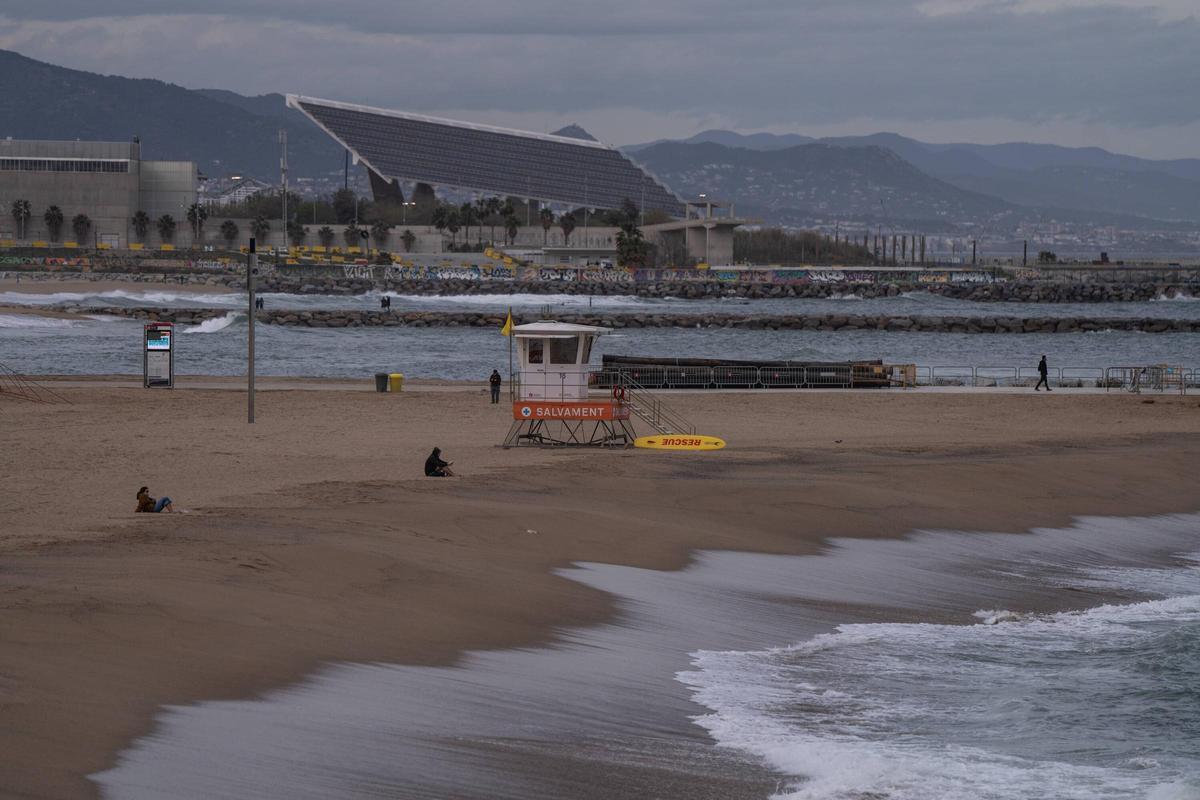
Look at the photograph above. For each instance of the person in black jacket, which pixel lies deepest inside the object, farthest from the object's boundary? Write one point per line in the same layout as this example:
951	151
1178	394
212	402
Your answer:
494	381
1043	370
435	467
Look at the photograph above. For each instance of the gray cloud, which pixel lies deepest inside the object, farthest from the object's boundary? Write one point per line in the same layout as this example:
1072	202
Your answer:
660	68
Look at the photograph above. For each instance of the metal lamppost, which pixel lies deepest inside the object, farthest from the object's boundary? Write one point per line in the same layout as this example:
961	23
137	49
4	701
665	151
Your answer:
404	210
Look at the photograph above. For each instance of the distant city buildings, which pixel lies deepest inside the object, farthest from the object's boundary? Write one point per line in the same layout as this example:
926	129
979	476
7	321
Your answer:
105	182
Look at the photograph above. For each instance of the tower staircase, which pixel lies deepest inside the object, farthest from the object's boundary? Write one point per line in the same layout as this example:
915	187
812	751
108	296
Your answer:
647	407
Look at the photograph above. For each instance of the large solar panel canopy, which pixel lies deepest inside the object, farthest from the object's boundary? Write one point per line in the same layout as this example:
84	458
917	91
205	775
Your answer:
397	145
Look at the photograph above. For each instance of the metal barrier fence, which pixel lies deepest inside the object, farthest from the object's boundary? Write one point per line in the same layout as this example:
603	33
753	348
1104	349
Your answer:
1148	378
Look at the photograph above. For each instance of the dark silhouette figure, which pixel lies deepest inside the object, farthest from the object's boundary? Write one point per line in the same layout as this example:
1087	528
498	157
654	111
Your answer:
1044	371
385	303
260	303
435	467
494	381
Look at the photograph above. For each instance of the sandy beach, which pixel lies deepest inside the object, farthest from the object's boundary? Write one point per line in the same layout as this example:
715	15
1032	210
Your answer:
311	538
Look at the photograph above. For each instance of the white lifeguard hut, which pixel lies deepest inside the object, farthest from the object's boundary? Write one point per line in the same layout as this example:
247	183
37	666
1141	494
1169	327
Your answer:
552	398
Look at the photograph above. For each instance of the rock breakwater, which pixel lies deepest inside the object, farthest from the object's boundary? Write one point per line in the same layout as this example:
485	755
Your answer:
814	322
985	292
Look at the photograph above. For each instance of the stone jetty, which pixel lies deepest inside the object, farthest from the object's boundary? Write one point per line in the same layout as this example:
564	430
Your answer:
1003	291
813	322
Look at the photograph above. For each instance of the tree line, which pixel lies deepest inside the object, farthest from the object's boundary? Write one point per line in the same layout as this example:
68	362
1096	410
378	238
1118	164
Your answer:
778	246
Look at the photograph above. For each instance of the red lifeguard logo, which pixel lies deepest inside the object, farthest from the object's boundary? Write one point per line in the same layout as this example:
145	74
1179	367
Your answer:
570	411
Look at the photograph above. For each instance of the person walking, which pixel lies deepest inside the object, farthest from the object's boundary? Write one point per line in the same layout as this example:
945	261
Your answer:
1044	371
494	381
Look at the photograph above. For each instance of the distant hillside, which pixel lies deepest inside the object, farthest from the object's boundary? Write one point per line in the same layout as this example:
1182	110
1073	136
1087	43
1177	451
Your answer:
752	141
818	181
222	131
1083	180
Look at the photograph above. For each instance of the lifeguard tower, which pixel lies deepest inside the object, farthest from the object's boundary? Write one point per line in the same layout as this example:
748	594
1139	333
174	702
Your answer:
552	405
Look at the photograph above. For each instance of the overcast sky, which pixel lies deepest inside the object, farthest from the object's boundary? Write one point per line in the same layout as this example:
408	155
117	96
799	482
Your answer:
1120	74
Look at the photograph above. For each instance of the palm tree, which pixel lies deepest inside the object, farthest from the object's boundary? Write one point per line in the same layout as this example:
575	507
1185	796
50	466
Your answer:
379	232
260	227
492	206
409	238
567	223
325	235
141	224
82	225
547	219
229	232
166	228
296	233
196	215
467	215
453	223
351	235
54	222
21	212
511	226
439	218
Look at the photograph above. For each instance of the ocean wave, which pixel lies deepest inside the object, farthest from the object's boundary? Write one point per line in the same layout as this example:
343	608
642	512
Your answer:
215	324
501	301
34	321
1178	297
123	297
1044	705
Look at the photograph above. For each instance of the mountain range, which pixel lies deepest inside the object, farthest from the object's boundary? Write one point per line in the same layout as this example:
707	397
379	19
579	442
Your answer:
1083	179
779	177
223	132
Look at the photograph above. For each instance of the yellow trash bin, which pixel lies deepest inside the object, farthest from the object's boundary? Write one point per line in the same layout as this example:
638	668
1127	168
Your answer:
396	382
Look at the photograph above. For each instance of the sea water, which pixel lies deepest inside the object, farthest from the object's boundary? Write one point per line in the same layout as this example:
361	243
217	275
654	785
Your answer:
107	345
1101	702
973	697
1180	306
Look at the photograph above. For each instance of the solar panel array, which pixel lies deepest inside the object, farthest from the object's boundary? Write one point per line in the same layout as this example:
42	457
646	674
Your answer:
493	161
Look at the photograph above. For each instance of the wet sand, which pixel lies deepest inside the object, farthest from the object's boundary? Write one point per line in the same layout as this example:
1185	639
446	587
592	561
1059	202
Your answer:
311	538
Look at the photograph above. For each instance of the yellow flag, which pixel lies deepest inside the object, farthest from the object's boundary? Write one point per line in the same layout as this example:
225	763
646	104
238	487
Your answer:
506	329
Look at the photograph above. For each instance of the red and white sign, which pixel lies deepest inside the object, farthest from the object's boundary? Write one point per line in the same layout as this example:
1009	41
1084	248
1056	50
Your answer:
570	411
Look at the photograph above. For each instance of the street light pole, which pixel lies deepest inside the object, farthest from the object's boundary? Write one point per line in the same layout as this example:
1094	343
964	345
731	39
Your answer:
283	169
251	272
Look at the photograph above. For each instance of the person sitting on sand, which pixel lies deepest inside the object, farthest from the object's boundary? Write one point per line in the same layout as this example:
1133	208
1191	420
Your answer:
147	504
435	467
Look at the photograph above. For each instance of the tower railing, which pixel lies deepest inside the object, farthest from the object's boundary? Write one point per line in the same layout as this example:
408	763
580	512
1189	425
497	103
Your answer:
644	404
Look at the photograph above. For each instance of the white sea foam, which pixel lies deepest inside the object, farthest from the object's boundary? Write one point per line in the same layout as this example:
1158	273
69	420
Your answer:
121	297
215	324
1004	711
1178	297
33	321
500	301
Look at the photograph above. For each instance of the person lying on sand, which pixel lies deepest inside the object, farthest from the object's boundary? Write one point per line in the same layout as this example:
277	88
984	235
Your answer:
148	505
435	467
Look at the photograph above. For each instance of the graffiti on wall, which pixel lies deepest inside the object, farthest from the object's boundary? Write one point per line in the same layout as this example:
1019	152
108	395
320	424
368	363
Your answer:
357	272
46	261
970	277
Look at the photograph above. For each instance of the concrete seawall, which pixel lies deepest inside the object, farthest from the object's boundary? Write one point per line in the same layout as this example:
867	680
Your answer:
814	322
